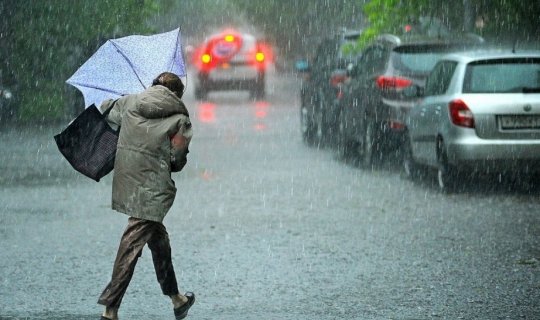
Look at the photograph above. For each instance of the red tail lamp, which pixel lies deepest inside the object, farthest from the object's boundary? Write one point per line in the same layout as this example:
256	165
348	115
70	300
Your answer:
460	114
393	82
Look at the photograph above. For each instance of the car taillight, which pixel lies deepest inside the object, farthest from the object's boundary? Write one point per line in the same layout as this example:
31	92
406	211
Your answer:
206	58
259	57
460	114
396	125
337	79
384	82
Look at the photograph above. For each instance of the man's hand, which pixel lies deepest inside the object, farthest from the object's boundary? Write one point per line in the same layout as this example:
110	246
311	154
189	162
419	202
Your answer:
179	151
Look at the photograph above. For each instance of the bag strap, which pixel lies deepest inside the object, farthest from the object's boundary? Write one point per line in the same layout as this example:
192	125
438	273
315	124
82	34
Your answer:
106	112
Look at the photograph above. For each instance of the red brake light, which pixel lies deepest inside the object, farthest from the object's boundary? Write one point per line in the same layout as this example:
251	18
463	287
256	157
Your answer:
393	82
337	79
396	125
206	58
259	56
460	114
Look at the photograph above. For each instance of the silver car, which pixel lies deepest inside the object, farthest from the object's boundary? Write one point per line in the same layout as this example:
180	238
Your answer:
480	112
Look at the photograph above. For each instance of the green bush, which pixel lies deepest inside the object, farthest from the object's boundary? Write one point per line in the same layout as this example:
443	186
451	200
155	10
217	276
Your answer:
46	103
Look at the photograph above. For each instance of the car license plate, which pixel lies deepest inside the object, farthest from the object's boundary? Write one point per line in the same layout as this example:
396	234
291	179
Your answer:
520	122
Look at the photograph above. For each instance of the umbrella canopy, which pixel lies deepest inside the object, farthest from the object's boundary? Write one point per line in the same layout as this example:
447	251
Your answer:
128	65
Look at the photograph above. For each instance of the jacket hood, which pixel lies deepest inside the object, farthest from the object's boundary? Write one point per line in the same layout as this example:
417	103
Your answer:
160	102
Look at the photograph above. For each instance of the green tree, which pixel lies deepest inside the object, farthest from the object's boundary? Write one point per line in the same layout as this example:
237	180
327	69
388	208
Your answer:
43	42
497	20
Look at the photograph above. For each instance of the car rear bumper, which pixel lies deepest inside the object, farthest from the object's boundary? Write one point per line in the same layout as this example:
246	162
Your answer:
239	72
496	154
233	79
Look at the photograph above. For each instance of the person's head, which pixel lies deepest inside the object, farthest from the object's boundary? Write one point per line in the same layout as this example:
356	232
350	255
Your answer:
171	81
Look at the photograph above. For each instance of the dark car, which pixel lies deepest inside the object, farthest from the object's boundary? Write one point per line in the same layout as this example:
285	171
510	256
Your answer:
323	76
232	61
374	106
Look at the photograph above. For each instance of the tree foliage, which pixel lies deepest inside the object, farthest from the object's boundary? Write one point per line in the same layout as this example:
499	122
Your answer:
497	20
43	42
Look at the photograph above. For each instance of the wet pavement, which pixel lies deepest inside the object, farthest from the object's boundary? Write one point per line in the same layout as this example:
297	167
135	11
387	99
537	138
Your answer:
264	227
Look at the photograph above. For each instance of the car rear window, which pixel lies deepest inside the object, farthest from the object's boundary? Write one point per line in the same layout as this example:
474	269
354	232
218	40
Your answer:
511	75
419	58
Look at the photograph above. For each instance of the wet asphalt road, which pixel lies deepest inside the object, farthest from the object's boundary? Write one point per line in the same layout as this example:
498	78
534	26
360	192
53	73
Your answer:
264	227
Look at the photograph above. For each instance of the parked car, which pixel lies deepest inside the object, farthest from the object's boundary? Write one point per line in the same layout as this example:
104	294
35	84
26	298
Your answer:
371	121
323	75
480	112
231	60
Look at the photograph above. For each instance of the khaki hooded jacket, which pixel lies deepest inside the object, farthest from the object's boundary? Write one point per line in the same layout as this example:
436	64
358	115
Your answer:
142	183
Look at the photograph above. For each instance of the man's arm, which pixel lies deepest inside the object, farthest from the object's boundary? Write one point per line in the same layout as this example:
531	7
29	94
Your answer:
115	115
180	145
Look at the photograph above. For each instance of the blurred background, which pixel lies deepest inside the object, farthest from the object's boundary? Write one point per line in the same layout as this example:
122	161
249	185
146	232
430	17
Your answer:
43	42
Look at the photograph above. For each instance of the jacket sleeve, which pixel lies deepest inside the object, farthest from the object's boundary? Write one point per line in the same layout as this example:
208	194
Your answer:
180	144
115	115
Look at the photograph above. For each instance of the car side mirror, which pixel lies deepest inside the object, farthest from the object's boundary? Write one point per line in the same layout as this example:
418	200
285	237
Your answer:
414	91
302	66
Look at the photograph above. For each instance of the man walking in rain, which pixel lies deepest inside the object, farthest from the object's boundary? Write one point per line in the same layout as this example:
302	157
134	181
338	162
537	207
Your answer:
154	138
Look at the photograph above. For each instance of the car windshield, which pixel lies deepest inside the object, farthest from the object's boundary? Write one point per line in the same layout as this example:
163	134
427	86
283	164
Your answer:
419	58
503	76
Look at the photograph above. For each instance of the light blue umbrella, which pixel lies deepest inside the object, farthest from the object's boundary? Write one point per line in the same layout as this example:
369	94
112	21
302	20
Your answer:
128	65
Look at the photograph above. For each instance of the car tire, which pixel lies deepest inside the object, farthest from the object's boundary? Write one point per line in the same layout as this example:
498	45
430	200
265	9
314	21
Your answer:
201	93
319	125
447	174
318	132
258	91
368	147
344	144
306	125
410	168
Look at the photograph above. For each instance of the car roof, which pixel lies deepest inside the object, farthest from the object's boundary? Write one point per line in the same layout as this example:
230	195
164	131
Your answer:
352	34
415	39
474	55
229	31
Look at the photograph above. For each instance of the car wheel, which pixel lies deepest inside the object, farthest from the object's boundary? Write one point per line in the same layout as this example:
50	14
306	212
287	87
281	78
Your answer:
344	145
258	91
368	146
447	174
411	169
201	93
319	122
306	125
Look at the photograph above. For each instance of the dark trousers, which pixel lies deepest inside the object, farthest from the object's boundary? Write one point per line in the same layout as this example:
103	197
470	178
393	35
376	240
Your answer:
137	234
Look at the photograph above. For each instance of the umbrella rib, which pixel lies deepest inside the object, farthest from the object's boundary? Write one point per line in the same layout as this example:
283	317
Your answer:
129	62
96	87
176	47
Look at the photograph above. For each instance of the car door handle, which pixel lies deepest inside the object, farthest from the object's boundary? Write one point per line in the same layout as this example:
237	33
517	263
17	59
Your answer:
423	112
438	110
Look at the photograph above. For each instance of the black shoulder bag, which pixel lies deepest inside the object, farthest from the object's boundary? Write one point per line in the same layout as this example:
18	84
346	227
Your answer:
89	143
